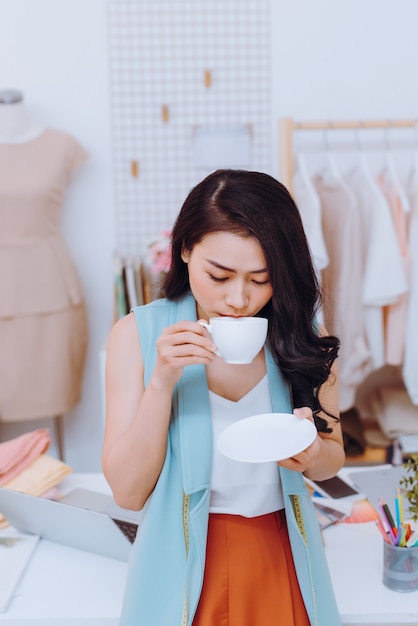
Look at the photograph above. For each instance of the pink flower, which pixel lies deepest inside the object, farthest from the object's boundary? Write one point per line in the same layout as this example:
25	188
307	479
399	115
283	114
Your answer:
160	253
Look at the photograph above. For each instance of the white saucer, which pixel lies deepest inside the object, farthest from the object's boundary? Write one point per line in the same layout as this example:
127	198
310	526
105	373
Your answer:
266	437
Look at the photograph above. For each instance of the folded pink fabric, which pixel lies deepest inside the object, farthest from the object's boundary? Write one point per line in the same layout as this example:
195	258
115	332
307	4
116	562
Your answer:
18	453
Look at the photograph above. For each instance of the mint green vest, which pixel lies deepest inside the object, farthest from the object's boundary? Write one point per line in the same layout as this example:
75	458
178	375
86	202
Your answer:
165	572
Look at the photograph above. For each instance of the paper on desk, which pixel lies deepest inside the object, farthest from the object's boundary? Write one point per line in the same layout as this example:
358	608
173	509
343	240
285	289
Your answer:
356	512
362	511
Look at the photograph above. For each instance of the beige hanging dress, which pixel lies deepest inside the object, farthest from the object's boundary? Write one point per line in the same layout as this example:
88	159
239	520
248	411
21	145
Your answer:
43	321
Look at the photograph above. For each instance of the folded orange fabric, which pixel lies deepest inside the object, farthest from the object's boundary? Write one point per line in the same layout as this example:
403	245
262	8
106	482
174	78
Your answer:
39	478
19	453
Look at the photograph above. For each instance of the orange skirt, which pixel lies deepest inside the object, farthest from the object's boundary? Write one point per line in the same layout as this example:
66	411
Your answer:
250	578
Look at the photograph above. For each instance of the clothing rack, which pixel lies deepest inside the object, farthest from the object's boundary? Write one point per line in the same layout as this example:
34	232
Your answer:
288	126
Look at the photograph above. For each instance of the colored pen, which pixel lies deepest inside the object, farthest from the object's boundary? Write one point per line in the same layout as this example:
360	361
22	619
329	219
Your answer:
401	516
386	515
402	535
408	530
384	534
413	540
389	516
386	526
397	512
398	537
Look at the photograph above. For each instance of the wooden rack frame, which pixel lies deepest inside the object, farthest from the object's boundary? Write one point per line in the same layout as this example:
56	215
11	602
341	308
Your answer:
287	126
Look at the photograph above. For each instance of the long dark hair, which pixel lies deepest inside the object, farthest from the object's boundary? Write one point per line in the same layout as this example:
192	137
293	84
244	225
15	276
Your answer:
257	205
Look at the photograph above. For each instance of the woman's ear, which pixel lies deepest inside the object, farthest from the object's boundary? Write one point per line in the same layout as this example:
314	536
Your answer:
185	255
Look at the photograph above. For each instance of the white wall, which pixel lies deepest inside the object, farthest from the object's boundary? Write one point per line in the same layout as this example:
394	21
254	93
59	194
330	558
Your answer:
330	60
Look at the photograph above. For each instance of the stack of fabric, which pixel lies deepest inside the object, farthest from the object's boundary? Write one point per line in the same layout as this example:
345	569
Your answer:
25	466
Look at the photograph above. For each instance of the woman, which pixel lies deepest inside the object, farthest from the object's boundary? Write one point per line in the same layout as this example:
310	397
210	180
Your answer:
220	539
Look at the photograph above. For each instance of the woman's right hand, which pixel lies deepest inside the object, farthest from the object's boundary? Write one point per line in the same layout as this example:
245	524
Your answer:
184	343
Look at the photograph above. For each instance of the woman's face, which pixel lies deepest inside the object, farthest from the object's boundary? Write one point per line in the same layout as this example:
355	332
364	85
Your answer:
228	276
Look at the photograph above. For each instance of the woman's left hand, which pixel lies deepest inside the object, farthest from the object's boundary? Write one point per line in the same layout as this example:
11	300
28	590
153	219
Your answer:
305	459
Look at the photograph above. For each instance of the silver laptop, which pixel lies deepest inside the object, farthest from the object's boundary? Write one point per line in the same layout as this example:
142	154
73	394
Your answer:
83	519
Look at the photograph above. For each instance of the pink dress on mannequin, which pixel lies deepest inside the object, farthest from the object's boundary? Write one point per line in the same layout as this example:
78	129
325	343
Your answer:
43	321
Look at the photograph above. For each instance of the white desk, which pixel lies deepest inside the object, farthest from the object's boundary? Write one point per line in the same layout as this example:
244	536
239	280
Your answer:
67	587
355	558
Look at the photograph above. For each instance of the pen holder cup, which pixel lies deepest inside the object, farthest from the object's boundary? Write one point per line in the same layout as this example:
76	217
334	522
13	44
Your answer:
400	567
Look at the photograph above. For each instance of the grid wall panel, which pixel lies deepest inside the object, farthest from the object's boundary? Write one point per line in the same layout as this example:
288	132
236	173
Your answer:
176	65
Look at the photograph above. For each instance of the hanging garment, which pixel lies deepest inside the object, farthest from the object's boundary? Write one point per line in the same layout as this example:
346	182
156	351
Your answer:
384	277
43	322
342	281
309	206
394	315
410	362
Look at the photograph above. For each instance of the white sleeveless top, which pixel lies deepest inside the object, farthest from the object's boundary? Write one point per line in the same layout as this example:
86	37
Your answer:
238	488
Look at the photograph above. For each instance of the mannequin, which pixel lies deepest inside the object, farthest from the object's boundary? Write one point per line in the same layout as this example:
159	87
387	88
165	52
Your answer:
43	316
16	125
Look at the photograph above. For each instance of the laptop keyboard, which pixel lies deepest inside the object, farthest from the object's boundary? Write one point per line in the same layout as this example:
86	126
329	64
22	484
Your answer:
129	529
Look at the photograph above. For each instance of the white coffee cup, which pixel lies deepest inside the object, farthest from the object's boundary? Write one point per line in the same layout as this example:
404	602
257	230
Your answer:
238	339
